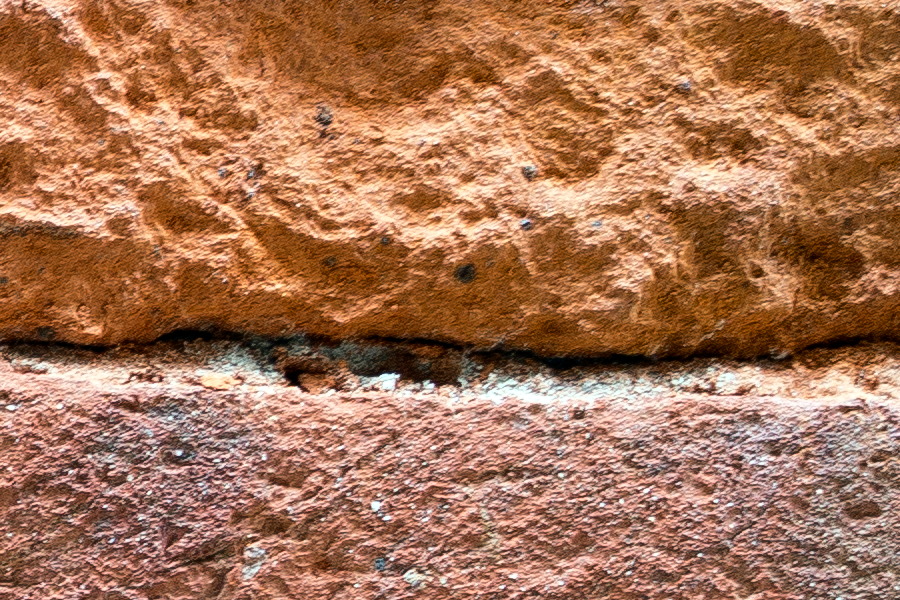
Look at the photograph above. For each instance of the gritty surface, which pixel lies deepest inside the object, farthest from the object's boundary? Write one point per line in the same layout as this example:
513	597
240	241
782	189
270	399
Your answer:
235	485
410	223
564	176
868	371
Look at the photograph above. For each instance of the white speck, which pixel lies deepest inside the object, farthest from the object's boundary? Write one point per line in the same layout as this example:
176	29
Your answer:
699	555
254	557
60	406
819	492
12	407
513	576
560	583
386	518
375	505
388	381
414	578
561	475
621	500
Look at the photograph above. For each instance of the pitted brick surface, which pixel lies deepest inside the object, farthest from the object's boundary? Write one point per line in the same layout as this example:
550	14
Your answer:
569	177
146	491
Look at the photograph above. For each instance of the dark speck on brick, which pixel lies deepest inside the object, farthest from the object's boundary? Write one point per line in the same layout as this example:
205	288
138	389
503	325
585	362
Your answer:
465	273
385	240
526	224
45	333
380	564
324	116
530	172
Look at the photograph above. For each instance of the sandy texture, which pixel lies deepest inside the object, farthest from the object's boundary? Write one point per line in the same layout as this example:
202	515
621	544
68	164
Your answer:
571	177
166	490
418	219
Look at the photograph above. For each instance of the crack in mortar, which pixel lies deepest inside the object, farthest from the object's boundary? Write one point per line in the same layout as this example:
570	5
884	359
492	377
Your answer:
409	368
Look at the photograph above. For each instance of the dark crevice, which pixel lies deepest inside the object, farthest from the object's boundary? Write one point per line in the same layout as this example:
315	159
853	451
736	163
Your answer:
199	335
848	341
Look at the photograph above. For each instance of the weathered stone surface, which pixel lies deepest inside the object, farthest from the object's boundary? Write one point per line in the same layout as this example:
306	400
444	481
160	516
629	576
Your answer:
158	489
582	177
